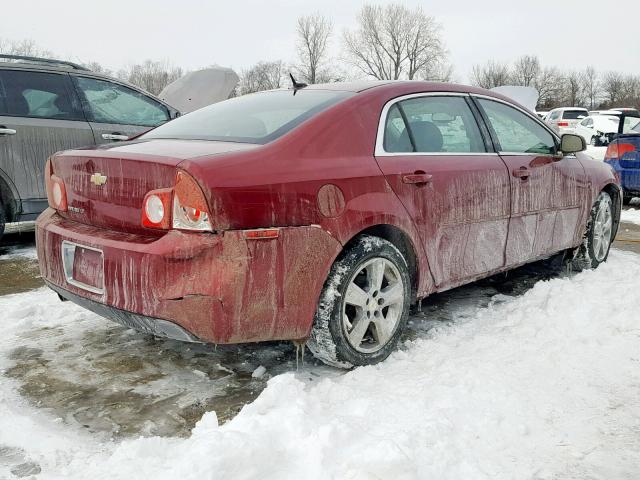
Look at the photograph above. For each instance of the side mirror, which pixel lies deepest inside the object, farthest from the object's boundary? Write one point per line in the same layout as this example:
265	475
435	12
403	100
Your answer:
570	143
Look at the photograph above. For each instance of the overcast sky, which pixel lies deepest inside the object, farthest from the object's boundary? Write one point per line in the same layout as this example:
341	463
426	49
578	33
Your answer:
236	33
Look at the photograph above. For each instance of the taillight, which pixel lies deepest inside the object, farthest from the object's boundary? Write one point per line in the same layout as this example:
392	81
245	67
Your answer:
182	207
56	191
563	124
190	210
617	150
156	209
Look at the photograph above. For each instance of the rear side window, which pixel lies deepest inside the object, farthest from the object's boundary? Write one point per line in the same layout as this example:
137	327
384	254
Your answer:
435	125
574	114
108	102
517	132
38	95
255	118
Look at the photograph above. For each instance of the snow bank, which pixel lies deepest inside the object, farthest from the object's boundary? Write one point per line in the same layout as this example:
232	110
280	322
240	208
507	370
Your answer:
630	215
542	386
597	153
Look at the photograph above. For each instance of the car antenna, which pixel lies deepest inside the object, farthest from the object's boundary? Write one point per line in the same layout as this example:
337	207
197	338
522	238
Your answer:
296	85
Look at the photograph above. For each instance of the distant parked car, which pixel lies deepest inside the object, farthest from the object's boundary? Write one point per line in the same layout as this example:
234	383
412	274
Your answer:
50	105
318	214
564	120
623	155
598	130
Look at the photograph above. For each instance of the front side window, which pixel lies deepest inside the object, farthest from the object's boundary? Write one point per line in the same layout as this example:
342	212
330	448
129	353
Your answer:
38	95
517	132
254	118
108	102
432	124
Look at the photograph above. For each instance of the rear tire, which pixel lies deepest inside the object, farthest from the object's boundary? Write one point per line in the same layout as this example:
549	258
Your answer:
598	235
3	221
364	305
594	142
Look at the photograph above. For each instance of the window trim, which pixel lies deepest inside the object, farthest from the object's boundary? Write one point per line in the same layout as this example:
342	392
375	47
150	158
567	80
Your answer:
379	150
71	92
531	115
86	108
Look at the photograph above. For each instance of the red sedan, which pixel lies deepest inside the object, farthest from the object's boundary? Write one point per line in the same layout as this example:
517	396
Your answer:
318	214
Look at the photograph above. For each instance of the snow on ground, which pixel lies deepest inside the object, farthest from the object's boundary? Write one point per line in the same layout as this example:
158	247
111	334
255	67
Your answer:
630	215
545	385
597	153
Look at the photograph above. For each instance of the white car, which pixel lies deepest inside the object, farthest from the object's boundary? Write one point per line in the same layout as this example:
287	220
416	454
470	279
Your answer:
564	119
598	130
542	113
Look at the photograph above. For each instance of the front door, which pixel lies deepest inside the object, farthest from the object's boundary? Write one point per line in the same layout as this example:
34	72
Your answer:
547	190
117	112
435	158
39	115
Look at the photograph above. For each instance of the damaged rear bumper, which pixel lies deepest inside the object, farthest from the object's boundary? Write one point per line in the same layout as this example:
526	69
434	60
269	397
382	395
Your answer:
142	323
220	288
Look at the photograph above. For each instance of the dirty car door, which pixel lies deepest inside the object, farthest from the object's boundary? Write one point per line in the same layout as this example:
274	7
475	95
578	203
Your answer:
117	112
547	190
433	155
40	115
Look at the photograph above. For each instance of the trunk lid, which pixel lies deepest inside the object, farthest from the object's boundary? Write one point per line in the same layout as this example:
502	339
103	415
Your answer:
106	185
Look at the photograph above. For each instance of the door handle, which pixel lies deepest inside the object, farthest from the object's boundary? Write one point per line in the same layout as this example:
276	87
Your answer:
521	173
115	136
7	131
417	178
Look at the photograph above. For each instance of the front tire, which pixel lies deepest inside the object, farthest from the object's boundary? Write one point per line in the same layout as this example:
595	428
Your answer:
364	306
598	235
595	142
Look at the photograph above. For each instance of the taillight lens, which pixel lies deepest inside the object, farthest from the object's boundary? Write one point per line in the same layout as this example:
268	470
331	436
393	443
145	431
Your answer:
563	124
156	209
56	191
615	151
190	210
182	207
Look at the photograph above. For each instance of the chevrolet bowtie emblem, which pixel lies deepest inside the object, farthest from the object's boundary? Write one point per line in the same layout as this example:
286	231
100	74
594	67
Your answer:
98	179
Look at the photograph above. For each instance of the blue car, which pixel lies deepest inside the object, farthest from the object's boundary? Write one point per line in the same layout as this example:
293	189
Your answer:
623	155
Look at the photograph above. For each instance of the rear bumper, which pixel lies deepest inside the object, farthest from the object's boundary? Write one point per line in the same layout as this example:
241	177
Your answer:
154	326
629	177
216	288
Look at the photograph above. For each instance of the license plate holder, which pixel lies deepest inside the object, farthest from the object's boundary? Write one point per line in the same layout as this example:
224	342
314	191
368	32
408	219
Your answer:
83	266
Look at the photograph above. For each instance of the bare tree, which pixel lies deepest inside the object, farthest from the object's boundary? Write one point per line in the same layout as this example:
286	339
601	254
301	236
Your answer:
550	85
590	86
394	42
150	75
573	89
525	70
261	76
26	47
613	87
97	68
491	74
313	42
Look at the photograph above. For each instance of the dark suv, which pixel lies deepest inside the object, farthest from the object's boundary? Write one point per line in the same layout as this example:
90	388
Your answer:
50	105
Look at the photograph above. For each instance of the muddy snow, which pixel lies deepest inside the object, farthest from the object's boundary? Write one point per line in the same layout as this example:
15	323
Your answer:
525	377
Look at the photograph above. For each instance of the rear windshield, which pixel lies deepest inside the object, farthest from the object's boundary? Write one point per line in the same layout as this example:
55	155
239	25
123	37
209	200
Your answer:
574	114
256	118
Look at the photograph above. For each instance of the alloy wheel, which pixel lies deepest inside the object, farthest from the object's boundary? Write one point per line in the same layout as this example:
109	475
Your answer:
373	305
602	228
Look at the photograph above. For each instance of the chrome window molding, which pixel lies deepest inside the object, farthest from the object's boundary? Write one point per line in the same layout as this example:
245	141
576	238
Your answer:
379	147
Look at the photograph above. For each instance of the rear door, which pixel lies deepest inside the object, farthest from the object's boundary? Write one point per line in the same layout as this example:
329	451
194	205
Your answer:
117	112
547	190
39	115
431	150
